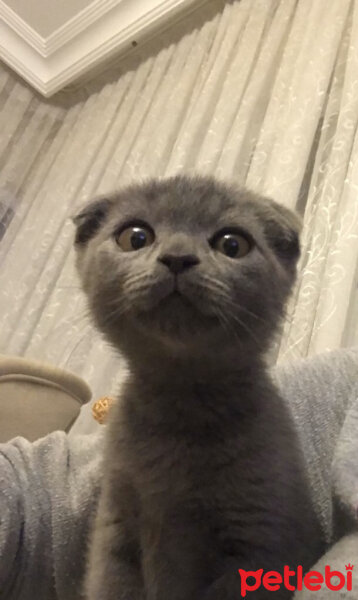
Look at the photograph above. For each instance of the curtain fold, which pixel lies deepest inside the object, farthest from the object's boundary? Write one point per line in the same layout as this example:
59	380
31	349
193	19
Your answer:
260	92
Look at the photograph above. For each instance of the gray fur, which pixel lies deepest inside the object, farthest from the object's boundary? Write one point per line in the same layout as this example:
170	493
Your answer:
202	466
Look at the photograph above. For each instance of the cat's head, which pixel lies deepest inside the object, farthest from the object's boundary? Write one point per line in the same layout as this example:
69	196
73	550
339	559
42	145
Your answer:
187	263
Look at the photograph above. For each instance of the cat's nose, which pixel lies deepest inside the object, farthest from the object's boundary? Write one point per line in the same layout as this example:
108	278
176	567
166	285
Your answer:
178	264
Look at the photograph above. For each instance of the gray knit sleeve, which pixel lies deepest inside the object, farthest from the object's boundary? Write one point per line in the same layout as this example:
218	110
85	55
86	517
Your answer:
48	493
320	391
345	463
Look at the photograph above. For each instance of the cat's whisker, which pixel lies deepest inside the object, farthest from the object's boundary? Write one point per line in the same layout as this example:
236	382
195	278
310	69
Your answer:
216	283
234	306
239	307
73	350
249	312
131	281
223	319
75	320
287	317
246	327
114	314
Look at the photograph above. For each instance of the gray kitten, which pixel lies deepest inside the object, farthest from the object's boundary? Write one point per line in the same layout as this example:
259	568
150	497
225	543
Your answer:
188	278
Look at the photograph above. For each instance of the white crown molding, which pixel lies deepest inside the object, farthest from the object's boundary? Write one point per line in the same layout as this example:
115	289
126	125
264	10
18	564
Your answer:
62	35
104	28
95	11
21	28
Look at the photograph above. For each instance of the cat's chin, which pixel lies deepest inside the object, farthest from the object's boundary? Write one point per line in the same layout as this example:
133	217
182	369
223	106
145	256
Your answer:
176	318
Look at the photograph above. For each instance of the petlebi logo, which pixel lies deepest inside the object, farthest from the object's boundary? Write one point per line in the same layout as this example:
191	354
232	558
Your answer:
312	580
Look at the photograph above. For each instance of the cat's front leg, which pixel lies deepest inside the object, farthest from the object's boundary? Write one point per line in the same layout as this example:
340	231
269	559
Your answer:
114	568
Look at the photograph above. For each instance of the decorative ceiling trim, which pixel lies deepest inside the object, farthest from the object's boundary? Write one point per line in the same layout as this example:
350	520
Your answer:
79	22
105	28
21	27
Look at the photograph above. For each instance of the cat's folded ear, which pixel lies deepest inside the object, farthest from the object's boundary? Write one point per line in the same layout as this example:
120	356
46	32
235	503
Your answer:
90	219
282	230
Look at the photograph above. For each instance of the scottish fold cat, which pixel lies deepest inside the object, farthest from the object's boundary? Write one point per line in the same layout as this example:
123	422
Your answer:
188	278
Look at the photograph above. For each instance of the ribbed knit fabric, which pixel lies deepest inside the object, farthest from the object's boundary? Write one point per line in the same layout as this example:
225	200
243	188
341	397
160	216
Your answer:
49	489
323	395
322	392
48	496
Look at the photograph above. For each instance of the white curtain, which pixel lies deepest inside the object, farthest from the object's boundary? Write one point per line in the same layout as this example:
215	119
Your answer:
262	92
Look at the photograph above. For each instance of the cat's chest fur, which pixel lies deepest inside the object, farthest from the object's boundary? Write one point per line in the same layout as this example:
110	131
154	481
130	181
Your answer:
207	474
199	445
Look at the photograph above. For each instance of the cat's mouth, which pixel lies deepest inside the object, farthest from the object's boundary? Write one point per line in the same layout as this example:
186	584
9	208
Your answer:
176	296
178	314
177	293
183	301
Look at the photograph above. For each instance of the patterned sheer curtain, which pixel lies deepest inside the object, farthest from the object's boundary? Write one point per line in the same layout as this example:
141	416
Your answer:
261	92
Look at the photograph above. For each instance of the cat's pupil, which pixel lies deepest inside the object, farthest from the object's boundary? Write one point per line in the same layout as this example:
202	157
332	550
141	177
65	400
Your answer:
138	239
231	246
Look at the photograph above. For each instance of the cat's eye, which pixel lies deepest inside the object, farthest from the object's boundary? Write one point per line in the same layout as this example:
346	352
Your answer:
232	244
135	237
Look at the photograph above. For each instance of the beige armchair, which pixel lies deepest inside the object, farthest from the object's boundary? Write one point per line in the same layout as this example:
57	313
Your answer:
36	398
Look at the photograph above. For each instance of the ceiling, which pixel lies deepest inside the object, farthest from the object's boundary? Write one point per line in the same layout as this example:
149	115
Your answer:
45	16
50	43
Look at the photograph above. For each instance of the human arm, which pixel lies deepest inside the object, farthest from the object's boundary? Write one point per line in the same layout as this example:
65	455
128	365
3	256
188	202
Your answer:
48	497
